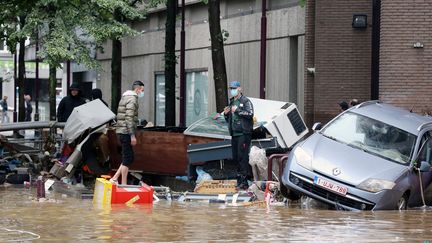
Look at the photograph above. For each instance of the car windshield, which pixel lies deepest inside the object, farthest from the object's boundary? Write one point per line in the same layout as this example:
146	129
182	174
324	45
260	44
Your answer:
372	136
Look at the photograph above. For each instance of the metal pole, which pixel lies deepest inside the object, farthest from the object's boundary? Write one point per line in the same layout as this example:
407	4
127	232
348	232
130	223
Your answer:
376	20
36	116
15	87
263	60
182	69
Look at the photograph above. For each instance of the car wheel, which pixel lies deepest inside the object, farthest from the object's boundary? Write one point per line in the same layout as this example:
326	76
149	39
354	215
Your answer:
289	193
402	204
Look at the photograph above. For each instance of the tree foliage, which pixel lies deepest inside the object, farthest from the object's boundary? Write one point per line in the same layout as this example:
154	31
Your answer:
12	21
67	29
72	29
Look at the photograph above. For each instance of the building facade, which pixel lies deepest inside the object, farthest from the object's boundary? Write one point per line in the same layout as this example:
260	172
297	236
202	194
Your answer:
387	59
143	56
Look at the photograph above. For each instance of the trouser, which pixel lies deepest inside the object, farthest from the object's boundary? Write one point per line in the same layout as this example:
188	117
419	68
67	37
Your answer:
5	117
240	149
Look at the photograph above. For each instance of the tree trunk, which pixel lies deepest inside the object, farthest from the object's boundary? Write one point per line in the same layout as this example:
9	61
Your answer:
52	91
218	55
21	81
170	63
116	69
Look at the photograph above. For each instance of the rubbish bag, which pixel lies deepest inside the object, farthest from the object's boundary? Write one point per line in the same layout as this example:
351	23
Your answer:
258	162
17	179
202	175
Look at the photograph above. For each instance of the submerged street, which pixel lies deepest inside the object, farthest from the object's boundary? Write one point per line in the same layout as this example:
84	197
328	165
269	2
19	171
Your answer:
73	220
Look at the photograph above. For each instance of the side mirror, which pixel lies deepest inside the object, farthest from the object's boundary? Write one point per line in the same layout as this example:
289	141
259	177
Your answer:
317	126
425	166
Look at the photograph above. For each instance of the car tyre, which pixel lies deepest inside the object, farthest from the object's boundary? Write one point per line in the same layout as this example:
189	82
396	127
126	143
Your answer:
289	193
402	204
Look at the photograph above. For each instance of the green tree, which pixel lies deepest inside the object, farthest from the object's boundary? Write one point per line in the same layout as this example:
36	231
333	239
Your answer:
12	21
71	29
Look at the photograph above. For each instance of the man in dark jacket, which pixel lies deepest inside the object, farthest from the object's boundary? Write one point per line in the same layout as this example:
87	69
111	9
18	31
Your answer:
68	103
239	115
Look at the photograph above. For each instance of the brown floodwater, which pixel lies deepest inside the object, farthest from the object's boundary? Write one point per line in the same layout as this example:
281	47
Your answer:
75	220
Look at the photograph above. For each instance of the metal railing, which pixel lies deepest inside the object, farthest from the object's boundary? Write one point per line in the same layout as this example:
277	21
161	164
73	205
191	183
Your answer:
44	132
281	162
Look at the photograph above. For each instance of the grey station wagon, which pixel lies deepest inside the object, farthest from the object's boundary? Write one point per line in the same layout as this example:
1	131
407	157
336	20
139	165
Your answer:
373	156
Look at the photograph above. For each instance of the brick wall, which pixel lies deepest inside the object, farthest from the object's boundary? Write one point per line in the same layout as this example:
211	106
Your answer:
342	56
406	72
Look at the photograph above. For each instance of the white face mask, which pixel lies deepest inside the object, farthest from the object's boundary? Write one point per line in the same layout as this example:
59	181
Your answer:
234	92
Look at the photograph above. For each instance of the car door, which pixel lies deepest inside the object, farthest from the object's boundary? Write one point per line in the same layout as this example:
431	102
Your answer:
425	157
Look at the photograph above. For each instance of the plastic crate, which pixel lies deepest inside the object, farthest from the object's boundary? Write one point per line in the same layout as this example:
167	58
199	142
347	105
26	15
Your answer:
107	193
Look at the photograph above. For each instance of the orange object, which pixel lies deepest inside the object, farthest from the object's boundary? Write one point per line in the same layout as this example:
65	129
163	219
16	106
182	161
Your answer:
123	194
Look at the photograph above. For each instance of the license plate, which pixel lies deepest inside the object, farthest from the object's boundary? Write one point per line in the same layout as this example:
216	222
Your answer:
330	186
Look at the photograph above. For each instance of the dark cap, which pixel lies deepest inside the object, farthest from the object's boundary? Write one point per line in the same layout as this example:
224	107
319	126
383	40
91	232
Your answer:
343	105
137	82
74	86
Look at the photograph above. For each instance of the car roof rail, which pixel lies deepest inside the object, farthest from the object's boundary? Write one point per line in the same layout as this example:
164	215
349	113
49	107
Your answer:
369	102
423	125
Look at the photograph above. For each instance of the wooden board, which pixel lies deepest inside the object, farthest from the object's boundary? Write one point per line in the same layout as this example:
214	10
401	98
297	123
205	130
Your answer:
157	152
216	187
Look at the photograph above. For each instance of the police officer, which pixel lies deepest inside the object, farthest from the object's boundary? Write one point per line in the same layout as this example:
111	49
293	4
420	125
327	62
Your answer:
239	115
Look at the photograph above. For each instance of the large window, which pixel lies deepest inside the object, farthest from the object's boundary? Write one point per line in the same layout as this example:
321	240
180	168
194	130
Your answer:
160	99
196	96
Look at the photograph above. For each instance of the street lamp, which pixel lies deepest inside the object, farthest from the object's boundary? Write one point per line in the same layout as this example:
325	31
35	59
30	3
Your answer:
359	21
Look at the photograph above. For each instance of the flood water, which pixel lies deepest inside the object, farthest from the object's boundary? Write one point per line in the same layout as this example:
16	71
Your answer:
73	220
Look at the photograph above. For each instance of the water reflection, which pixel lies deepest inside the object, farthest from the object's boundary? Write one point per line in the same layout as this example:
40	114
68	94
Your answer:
69	219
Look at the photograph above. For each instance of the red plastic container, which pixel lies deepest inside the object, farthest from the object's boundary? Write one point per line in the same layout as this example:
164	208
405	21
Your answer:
124	194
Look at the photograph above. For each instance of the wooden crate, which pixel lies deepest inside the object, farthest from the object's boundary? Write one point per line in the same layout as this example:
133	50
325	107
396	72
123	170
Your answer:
216	187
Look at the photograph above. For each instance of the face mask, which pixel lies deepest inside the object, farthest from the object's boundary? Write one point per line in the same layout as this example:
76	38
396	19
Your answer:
234	92
141	94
